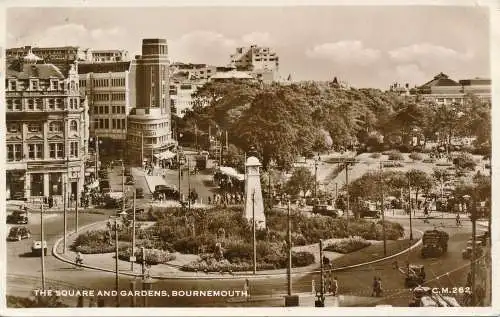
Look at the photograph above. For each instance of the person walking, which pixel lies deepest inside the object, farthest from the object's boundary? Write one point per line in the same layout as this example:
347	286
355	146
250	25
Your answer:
458	221
375	286
334	286
379	287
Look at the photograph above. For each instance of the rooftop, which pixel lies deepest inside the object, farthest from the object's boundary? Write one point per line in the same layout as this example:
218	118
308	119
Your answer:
40	71
440	79
111	67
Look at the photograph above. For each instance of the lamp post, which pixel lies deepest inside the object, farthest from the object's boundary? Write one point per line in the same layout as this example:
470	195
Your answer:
382	208
315	180
409	209
254	242
65	202
76	207
117	273
43	246
132	257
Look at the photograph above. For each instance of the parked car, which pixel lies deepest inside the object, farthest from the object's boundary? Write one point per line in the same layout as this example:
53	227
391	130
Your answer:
139	193
36	248
369	209
130	180
18	218
326	210
169	192
18	233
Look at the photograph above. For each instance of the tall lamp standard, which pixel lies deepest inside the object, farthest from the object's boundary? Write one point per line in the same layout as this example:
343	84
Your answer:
115	227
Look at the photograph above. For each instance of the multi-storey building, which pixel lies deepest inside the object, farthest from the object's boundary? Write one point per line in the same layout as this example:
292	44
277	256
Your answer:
149	123
443	90
108	88
47	129
261	62
102	56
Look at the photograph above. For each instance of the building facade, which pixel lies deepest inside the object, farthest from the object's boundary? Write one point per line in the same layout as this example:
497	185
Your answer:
261	62
105	56
47	130
442	90
107	86
149	124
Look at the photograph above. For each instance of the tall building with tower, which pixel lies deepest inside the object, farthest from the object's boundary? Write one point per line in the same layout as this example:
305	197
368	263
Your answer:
149	123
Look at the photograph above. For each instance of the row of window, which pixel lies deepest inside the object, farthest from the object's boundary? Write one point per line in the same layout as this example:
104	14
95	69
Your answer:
16	104
35	151
36	84
157	140
105	97
115	124
54	126
105	109
137	126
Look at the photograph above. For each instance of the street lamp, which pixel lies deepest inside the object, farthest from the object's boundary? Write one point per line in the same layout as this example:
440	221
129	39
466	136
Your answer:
115	227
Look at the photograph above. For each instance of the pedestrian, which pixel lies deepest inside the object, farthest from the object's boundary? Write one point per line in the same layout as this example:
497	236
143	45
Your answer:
375	286
458	221
379	287
209	200
334	286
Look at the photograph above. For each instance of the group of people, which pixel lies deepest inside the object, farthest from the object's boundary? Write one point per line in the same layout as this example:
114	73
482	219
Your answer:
226	199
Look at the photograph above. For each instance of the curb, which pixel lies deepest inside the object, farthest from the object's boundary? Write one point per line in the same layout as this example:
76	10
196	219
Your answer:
219	276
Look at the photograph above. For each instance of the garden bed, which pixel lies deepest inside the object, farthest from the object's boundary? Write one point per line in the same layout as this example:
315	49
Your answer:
348	245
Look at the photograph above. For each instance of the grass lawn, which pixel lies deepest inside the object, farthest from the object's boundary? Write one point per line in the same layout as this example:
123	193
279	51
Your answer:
372	252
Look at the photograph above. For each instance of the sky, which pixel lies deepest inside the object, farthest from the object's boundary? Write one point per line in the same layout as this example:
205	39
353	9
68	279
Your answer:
366	46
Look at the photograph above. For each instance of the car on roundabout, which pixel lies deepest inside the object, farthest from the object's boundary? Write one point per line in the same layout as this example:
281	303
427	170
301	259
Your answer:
18	217
18	233
326	210
37	248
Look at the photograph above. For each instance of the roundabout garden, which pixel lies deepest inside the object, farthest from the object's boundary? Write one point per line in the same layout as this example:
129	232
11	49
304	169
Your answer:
221	239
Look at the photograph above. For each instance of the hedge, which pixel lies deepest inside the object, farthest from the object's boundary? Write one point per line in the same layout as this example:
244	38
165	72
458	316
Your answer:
416	156
395	156
347	245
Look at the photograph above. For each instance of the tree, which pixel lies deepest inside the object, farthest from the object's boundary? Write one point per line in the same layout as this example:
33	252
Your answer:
440	175
301	180
419	181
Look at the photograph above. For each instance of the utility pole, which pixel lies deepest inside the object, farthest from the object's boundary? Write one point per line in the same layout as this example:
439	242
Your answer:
132	257
179	172
76	206
254	242
347	195
315	180
117	274
142	148
382	208
473	258
65	198
43	247
96	156
289	234
123	187
321	300
189	186
409	209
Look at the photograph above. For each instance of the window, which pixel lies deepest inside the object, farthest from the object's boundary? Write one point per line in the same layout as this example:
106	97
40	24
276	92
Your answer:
118	97
56	150
106	109
54	84
31	104
73	149
123	109
440	99
51	104
55	126
14	152
106	123
34	127
59	103
13	85
13	127
17	104
35	151
73	126
83	83
38	104
9	104
34	84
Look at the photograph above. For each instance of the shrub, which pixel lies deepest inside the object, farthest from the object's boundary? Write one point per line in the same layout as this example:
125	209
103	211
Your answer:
395	156
465	161
375	155
94	241
302	258
348	245
405	148
392	164
153	256
416	156
429	160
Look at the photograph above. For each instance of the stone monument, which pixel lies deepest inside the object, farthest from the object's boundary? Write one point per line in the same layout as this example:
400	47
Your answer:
254	202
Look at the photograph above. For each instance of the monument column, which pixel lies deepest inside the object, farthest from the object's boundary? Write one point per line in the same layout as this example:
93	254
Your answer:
254	201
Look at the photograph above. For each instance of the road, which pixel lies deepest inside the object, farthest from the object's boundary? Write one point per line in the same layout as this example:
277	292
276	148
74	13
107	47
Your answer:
353	282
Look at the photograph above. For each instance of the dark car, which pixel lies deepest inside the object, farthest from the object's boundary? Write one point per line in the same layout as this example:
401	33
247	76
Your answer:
139	193
168	192
18	218
104	186
130	180
18	233
325	210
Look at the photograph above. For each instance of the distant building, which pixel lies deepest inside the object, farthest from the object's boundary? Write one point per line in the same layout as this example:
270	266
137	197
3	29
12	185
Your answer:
261	62
149	123
443	90
233	75
47	129
104	56
108	87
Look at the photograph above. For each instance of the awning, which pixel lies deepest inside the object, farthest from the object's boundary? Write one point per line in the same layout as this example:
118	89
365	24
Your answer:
165	155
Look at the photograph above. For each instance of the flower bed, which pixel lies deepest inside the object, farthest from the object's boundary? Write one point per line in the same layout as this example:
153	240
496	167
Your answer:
153	256
94	241
347	245
395	156
416	156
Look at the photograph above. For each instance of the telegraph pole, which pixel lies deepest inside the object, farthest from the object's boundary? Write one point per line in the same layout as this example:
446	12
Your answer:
315	180
289	270
409	209
123	187
254	242
43	247
65	198
473	258
189	186
382	208
322	278
142	148
132	257
76	207
347	195
117	274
